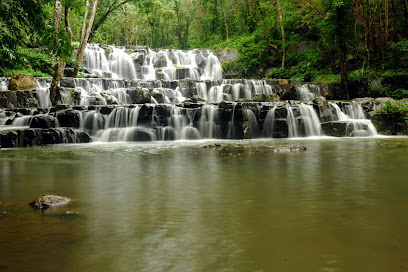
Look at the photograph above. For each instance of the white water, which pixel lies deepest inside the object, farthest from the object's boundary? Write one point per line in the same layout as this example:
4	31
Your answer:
308	92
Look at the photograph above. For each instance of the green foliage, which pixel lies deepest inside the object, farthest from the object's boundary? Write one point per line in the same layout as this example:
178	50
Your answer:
279	73
37	60
394	108
11	72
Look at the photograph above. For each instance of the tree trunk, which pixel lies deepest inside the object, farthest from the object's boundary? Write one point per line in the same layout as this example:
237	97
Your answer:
57	75
283	33
343	69
86	31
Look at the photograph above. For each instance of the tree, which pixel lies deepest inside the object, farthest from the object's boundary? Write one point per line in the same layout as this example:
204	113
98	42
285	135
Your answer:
19	20
107	7
86	31
282	32
63	40
337	34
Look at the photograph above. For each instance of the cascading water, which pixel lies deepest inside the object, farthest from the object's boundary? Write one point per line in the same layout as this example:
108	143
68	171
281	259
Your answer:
149	106
308	92
354	114
172	64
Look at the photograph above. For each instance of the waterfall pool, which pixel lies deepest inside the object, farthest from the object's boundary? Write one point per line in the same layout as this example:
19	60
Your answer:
341	205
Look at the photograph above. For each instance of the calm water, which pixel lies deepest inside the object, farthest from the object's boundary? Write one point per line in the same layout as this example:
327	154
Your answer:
340	206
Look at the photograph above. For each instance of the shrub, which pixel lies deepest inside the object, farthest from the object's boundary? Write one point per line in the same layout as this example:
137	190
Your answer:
394	108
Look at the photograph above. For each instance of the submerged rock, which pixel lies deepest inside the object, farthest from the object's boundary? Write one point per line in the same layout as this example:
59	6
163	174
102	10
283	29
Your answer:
48	201
290	148
214	145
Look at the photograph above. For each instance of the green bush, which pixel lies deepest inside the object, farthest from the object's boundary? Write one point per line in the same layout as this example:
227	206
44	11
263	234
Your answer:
11	72
36	59
394	108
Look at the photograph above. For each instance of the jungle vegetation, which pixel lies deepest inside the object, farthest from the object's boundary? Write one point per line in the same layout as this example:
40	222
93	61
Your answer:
302	40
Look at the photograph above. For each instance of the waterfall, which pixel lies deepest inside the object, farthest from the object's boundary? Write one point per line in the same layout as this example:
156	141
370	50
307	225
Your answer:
354	114
43	94
308	92
269	123
310	120
212	69
208	126
290	120
121	64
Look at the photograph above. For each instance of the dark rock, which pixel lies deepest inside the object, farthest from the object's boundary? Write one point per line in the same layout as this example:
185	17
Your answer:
69	72
390	124
67	82
18	99
82	137
69	118
194	99
213	145
22	82
138	96
159	60
158	97
42	121
48	201
343	128
141	135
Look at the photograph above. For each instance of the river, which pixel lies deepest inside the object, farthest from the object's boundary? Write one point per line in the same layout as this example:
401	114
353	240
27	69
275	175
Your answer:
341	205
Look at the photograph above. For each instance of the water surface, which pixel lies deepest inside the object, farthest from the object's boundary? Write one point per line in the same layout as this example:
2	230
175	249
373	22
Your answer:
171	206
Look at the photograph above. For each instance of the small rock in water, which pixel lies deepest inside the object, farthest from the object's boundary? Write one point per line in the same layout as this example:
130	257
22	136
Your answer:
48	201
290	148
214	145
71	213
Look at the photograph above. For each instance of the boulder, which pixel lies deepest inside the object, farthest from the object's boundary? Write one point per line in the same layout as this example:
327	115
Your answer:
22	82
390	125
48	201
42	121
69	118
67	82
159	60
138	96
227	55
343	128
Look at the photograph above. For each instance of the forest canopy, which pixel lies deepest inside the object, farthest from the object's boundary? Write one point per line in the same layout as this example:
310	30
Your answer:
303	40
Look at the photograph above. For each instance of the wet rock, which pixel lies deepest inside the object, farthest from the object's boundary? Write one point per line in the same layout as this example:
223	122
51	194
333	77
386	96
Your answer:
194	99
138	96
48	201
18	99
159	60
290	148
22	82
266	98
213	145
42	121
390	125
342	128
158	97
141	135
67	82
200	60
82	137
69	118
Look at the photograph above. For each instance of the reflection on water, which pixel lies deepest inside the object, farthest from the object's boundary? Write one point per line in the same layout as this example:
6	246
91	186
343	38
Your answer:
339	206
